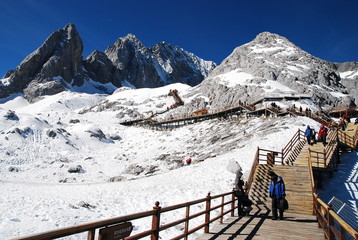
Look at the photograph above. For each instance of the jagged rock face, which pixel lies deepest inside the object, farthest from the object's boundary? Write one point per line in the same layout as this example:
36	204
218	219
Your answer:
157	66
180	65
60	56
348	72
272	57
134	61
100	69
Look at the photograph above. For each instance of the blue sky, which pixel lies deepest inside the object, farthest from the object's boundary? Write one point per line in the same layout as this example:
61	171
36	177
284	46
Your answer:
210	29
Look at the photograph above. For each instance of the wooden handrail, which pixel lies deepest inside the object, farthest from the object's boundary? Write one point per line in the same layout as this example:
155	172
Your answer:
252	172
313	185
297	137
226	206
327	219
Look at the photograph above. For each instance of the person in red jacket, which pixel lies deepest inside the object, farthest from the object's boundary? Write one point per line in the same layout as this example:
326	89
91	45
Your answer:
322	134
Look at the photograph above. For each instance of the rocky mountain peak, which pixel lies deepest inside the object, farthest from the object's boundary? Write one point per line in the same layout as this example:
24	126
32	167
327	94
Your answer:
273	57
124	42
271	38
156	66
59	57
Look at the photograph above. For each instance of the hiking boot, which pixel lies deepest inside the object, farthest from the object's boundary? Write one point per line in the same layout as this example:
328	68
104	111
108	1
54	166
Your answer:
274	218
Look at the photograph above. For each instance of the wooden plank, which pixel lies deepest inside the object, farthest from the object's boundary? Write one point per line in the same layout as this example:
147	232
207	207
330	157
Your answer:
260	226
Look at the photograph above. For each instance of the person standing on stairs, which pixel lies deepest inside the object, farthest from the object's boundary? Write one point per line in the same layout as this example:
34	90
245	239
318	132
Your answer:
322	134
277	192
239	192
308	134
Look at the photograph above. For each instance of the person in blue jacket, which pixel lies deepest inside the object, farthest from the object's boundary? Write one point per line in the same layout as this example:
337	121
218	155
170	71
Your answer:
277	192
308	134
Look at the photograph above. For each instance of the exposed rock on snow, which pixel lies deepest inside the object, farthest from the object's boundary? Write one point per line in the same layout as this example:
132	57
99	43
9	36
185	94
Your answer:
76	169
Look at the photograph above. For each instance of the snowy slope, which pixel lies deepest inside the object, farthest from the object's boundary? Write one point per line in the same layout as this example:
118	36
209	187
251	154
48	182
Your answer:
41	142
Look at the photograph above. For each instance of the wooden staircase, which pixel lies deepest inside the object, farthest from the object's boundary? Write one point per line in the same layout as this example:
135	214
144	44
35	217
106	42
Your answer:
297	182
296	172
302	158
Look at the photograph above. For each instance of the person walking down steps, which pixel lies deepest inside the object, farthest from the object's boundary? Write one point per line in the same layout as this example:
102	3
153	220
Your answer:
277	192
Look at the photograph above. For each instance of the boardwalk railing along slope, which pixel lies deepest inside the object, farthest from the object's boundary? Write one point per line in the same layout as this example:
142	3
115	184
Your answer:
298	174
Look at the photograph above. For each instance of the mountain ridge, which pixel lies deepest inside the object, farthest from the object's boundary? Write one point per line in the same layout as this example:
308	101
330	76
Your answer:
268	57
57	65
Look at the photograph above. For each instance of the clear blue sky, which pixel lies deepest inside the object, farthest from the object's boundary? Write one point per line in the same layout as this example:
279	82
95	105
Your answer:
210	29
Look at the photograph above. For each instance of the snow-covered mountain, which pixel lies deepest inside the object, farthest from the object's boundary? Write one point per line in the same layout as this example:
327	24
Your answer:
273	58
57	65
159	65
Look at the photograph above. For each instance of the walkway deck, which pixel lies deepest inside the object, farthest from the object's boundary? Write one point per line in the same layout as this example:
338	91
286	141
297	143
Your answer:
260	226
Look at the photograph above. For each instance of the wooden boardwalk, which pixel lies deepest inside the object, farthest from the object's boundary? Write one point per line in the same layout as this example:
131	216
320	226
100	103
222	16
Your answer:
260	226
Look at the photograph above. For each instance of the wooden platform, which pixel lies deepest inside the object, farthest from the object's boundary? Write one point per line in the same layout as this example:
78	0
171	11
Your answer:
260	226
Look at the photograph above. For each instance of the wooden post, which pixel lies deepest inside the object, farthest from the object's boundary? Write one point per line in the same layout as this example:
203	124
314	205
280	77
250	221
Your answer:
186	227
156	222
270	158
207	214
222	209
91	234
319	213
330	223
341	233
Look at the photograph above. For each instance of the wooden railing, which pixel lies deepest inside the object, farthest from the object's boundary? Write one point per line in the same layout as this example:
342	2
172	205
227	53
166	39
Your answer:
332	145
225	204
269	156
329	156
252	172
310	168
327	219
264	156
348	140
289	149
333	226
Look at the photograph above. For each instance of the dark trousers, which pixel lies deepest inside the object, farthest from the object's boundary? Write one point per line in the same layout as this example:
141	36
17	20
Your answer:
240	210
324	140
275	204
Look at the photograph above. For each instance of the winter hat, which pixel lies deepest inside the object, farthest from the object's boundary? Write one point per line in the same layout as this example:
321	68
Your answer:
272	173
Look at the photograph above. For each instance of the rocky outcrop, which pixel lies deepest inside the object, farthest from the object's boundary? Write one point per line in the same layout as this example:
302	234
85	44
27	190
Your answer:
348	73
157	66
